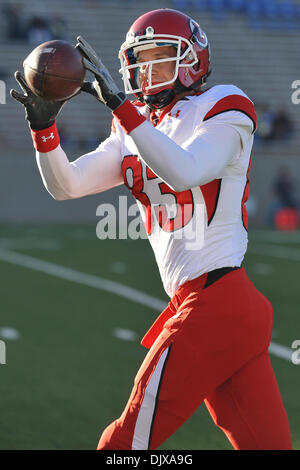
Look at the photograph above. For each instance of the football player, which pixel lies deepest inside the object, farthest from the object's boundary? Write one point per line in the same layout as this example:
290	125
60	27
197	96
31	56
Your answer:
179	144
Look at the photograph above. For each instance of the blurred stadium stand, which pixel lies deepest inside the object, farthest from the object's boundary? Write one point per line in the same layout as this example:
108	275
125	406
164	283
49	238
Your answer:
254	46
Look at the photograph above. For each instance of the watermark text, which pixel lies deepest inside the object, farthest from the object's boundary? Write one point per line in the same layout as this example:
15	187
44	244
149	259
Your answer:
179	221
296	94
296	354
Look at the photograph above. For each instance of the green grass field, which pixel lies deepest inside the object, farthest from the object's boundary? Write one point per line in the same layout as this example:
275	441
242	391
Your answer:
67	375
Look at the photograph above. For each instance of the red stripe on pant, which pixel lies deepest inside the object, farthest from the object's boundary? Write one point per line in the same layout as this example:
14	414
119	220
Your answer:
219	353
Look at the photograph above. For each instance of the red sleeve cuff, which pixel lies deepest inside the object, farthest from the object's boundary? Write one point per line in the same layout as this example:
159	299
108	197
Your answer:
128	116
46	140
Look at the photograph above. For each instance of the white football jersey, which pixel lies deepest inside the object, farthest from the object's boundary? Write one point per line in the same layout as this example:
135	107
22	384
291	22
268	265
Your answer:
203	228
194	213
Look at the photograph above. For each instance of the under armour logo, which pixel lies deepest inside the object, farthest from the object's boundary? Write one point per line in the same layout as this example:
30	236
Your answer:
176	115
44	138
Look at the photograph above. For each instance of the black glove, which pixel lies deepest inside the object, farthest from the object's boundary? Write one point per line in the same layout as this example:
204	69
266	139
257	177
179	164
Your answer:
103	87
39	113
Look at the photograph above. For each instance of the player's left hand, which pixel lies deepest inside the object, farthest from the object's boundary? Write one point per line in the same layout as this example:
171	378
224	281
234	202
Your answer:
103	87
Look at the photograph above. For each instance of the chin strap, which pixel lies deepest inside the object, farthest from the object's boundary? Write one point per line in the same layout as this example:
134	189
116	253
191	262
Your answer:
159	100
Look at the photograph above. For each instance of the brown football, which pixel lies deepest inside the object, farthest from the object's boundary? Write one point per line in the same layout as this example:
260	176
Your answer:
54	70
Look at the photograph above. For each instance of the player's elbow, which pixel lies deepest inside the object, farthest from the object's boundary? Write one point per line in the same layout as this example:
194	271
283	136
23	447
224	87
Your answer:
58	194
60	197
67	191
66	196
178	184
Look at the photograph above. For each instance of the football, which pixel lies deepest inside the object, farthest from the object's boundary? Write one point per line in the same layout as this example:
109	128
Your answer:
54	70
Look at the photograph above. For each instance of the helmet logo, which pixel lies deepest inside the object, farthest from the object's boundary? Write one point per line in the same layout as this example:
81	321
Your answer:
196	30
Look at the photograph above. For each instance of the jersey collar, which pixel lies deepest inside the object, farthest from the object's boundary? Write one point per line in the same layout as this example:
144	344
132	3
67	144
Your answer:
157	119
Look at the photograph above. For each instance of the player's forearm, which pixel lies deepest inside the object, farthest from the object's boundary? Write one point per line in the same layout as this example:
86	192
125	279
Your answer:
91	173
202	159
57	174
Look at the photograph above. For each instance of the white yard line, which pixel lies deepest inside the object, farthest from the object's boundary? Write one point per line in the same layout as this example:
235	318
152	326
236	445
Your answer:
82	278
113	287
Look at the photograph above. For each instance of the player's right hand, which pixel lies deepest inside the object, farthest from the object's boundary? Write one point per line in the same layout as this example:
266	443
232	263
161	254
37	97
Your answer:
103	87
39	113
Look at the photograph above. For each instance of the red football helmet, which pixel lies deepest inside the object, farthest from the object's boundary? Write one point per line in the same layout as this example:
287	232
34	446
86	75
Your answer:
165	27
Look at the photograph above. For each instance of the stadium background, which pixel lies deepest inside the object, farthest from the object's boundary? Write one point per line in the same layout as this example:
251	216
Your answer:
71	346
